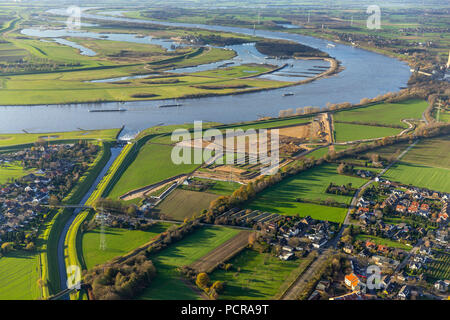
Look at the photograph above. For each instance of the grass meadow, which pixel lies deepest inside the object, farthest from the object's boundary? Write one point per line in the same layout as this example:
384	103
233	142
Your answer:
253	276
309	185
168	284
352	132
152	164
12	171
383	241
118	242
19	276
426	165
385	113
25	138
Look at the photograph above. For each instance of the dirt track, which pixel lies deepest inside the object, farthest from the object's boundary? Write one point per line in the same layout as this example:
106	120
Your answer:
222	253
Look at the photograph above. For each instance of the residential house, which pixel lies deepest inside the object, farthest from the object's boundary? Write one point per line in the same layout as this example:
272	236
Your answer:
351	281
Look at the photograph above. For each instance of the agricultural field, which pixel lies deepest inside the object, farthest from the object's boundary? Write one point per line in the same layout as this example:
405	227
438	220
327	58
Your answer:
383	241
439	267
152	164
19	276
309	185
181	204
12	171
420	176
426	165
118	242
25	138
10	53
168	284
259	278
353	132
384	113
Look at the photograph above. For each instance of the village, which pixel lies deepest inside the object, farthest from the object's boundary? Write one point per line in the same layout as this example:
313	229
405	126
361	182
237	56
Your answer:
52	171
402	231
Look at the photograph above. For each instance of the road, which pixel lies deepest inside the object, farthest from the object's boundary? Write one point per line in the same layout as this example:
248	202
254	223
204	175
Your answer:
299	285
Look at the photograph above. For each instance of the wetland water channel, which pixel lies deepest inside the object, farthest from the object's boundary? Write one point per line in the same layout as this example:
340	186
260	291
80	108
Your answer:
366	74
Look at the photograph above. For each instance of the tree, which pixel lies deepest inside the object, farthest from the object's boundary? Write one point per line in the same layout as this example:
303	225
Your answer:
30	246
218	286
53	201
341	168
375	157
202	280
252	239
7	247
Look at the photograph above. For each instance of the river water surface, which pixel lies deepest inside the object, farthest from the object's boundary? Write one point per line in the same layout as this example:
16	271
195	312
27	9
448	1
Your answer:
366	74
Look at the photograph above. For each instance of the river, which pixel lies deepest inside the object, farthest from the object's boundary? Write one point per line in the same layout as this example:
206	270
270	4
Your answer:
366	74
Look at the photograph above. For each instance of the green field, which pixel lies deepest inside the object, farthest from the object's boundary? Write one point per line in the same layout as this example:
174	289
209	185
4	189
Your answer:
70	84
319	153
260	124
118	242
167	284
223	187
385	113
352	132
152	164
12	171
382	241
181	204
426	165
309	185
420	176
260	276
25	138
234	72
19	276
